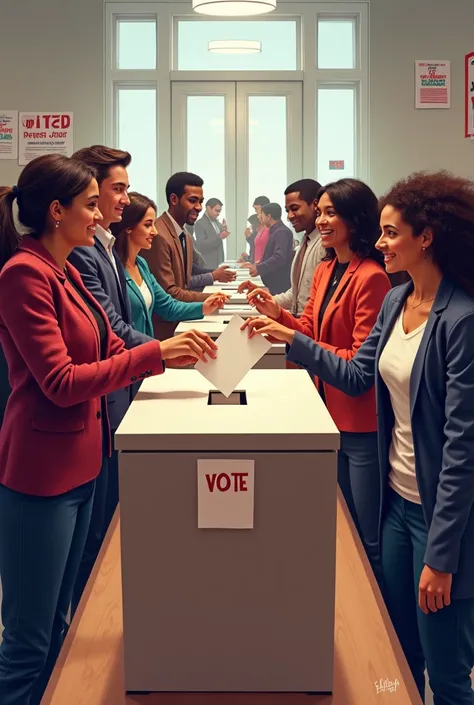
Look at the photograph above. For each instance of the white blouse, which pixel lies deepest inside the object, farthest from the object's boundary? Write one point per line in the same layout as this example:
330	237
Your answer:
146	293
395	366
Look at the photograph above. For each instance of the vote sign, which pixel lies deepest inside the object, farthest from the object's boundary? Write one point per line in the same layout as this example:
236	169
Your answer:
225	494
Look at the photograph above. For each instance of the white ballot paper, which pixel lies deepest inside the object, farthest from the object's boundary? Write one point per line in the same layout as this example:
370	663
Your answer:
237	354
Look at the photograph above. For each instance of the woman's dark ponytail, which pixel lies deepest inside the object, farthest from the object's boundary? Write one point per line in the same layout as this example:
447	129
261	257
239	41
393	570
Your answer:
9	236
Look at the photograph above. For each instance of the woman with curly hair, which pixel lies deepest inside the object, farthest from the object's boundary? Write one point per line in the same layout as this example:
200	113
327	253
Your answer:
420	357
348	289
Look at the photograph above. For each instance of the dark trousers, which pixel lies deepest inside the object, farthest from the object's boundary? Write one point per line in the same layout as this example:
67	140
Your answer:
442	641
359	479
41	543
105	503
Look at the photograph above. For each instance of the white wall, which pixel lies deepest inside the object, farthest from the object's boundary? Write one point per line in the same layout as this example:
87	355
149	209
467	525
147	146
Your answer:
51	59
404	139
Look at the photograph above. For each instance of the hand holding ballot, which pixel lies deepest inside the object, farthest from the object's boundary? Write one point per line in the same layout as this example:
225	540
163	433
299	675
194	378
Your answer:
268	328
264	302
193	343
224	274
214	303
247	285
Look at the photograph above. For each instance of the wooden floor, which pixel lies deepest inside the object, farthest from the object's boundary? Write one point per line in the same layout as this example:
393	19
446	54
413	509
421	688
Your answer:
367	654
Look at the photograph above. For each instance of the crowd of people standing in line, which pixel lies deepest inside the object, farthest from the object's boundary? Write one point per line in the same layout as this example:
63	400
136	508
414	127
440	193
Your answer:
89	303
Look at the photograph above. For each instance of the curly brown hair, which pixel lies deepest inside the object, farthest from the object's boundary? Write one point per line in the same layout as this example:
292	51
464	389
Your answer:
444	204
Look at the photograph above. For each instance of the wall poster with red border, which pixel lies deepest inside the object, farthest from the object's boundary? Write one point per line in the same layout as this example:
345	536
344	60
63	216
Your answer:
469	94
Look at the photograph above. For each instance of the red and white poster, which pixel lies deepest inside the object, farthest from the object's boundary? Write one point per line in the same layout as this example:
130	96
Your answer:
469	95
8	134
44	133
432	84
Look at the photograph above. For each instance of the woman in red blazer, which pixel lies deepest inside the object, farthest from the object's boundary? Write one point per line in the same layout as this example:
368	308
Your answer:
348	289
62	358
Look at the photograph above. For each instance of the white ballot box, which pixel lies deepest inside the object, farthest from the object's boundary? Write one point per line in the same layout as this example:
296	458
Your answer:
228	535
274	359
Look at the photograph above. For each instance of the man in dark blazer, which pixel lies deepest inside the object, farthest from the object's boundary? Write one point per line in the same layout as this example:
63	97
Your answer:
210	234
104	277
275	265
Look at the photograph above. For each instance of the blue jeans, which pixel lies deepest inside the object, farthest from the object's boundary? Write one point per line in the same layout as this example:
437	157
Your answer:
41	543
442	641
103	508
358	476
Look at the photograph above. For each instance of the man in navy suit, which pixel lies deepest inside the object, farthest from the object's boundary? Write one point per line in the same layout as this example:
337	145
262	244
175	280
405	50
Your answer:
103	275
275	264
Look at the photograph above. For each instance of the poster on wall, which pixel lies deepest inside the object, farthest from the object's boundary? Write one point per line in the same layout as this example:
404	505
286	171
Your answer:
432	84
44	133
469	95
8	134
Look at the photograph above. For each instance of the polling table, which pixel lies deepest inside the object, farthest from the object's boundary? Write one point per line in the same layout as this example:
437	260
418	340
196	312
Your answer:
228	535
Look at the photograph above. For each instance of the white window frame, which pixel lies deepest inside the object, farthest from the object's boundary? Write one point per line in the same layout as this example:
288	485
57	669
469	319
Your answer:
312	78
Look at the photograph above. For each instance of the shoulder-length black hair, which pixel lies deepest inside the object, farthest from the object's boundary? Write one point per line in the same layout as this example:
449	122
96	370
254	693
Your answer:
358	206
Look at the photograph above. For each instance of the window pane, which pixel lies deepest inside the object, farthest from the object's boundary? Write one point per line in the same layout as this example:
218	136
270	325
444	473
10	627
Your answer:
336	44
136	44
137	135
278	46
206	144
336	127
268	171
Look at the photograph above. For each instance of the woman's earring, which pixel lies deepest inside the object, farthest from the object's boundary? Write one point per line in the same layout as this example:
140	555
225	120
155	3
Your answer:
425	253
57	224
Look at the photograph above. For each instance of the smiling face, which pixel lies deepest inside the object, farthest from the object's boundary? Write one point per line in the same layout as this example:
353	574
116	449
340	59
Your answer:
186	210
141	236
403	251
301	215
334	230
113	195
77	222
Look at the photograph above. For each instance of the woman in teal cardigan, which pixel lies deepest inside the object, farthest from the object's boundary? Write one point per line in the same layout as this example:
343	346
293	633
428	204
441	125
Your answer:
134	233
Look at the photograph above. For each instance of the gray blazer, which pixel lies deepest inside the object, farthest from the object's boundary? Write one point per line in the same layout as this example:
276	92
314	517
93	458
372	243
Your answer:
442	417
208	242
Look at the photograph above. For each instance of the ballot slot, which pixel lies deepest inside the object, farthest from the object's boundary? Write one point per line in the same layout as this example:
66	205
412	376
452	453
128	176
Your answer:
236	398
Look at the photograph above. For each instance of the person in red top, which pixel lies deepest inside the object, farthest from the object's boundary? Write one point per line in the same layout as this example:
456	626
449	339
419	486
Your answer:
348	289
62	358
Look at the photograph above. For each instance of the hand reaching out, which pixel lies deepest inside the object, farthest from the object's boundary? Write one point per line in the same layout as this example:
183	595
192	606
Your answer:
269	328
247	286
264	302
214	303
193	343
222	274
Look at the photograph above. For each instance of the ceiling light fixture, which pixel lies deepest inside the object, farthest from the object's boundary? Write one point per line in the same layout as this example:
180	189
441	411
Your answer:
235	46
233	8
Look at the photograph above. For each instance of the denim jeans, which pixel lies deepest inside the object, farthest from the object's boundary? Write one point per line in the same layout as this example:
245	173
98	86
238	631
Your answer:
103	508
442	641
358	476
41	543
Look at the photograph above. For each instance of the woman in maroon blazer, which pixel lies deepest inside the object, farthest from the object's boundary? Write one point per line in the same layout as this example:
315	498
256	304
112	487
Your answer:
62	358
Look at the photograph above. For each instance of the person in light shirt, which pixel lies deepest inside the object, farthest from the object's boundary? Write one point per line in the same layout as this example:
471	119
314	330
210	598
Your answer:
420	357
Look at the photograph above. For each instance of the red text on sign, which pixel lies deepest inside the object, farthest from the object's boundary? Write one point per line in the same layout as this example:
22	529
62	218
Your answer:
225	481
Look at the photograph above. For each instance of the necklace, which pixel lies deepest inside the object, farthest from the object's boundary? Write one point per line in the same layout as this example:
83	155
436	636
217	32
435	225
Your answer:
423	301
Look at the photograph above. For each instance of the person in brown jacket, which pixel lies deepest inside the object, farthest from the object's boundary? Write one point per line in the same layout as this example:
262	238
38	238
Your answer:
171	258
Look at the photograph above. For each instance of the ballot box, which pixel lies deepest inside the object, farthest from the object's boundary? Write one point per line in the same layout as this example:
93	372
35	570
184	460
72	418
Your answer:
228	535
214	325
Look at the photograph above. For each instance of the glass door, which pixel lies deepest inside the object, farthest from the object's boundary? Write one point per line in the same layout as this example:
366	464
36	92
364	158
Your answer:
244	139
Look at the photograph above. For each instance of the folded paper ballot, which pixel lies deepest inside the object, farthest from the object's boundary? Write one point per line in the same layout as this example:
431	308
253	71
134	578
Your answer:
236	355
